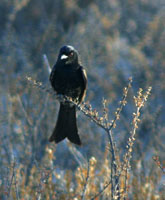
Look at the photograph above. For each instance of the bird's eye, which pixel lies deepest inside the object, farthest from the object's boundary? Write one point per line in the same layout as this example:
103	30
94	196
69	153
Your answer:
71	54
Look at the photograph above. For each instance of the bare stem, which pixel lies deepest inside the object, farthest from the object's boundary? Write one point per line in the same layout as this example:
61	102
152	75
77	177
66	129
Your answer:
86	182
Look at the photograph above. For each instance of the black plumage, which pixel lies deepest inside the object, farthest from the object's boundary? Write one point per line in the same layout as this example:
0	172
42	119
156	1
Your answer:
68	78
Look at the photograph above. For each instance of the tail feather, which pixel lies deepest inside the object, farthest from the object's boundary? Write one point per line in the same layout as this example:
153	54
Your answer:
66	125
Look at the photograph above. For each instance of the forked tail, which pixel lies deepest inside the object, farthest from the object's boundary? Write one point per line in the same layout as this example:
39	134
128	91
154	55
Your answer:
66	125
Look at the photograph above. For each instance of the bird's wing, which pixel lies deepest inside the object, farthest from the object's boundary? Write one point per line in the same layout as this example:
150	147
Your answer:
51	77
84	86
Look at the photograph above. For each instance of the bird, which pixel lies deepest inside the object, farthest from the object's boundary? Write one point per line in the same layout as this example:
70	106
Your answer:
68	77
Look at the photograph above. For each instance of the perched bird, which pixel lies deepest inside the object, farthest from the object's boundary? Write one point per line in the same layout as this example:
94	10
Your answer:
68	78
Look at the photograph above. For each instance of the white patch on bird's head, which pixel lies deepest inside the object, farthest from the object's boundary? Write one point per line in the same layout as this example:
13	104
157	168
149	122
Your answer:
63	57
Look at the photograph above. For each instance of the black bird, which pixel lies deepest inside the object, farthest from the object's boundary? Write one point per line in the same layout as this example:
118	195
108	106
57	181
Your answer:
68	78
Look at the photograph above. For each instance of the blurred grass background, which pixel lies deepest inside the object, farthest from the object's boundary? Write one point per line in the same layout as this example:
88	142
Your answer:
116	39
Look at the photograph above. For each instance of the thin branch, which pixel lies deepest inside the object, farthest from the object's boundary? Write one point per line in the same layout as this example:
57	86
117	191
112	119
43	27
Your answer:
86	182
111	141
29	121
77	155
47	63
45	174
122	104
13	179
111	180
101	191
84	107
16	188
139	102
158	163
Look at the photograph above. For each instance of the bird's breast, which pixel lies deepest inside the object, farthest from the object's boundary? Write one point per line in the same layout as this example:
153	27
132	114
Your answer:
67	82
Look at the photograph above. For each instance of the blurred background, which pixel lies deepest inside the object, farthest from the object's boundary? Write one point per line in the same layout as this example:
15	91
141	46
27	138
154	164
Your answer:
115	39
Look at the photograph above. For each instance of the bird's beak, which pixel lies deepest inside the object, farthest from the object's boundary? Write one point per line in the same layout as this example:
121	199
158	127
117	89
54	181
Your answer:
63	57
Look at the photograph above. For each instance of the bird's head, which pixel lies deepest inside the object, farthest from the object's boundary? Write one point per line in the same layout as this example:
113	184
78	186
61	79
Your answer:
68	55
